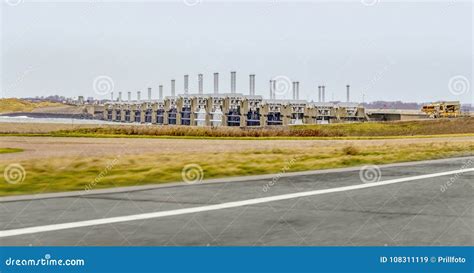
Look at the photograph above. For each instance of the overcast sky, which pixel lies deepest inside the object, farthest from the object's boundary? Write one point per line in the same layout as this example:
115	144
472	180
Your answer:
387	50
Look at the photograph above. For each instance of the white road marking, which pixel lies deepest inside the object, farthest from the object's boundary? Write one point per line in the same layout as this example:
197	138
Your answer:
152	215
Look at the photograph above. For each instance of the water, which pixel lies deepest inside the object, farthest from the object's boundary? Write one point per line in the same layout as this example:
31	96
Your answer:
25	119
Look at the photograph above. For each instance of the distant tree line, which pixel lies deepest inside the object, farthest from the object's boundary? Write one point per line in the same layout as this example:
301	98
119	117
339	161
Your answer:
53	98
393	105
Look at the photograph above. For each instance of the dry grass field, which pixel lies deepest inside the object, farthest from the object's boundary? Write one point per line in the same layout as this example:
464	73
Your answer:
63	157
54	164
368	129
342	130
16	105
51	147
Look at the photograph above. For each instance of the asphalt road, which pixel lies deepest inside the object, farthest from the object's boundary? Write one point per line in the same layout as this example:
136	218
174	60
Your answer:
327	208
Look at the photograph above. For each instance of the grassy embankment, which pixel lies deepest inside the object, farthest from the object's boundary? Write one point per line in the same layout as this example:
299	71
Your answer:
421	128
62	174
11	105
369	129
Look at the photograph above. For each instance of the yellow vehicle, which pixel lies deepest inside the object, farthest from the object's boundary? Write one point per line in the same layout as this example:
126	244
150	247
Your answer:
443	109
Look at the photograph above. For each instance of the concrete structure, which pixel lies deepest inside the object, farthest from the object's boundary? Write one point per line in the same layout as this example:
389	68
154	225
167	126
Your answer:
351	112
232	108
394	114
